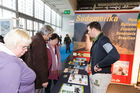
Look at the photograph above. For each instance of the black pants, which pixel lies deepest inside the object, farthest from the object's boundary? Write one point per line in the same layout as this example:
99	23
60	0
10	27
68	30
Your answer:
51	83
67	47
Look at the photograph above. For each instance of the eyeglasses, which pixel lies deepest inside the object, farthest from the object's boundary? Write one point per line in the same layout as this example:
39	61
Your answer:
25	47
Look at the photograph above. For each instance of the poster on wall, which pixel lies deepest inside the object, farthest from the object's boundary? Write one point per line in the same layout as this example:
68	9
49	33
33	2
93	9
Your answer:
120	27
5	26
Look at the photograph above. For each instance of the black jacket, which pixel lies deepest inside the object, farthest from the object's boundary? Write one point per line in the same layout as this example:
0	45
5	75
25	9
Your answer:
104	54
67	40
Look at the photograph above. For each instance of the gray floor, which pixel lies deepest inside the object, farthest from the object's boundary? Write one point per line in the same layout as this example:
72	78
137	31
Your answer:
120	88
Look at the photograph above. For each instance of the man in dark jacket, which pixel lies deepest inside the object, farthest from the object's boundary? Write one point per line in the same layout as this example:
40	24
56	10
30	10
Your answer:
37	57
102	55
67	41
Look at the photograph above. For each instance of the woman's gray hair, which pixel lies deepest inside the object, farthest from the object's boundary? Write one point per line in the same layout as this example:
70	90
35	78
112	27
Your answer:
46	29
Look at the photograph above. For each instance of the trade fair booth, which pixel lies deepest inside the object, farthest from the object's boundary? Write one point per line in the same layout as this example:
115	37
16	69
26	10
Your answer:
122	27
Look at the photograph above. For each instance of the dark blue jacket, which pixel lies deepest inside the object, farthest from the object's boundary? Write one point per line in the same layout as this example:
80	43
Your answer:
104	54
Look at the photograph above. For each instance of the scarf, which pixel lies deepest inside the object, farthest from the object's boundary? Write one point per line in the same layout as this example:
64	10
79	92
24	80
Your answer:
55	68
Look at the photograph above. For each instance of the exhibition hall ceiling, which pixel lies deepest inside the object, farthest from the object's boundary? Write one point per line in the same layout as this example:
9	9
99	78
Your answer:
106	4
72	5
61	5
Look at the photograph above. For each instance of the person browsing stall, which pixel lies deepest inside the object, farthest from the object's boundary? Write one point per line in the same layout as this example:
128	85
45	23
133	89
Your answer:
54	61
15	75
37	57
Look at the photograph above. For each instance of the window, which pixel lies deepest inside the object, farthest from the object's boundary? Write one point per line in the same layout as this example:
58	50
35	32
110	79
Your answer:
26	20
47	23
47	13
9	3
58	20
53	17
8	14
21	6
0	13
0	2
39	7
22	23
5	14
29	25
36	26
14	21
29	7
40	25
57	29
25	6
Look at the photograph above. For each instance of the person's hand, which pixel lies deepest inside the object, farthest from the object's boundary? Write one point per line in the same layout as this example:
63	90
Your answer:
96	68
45	84
88	68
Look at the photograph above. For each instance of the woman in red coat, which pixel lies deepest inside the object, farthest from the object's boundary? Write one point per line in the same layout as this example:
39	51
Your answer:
54	61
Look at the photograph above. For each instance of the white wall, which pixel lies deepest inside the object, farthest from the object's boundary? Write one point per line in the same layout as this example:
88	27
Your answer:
136	61
67	26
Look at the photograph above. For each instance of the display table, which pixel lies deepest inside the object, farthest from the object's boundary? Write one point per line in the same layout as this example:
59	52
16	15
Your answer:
64	79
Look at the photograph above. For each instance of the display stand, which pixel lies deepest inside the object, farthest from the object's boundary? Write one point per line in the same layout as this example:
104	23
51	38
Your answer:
83	87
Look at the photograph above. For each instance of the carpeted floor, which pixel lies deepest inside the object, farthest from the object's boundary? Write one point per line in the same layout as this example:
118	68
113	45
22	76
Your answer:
63	53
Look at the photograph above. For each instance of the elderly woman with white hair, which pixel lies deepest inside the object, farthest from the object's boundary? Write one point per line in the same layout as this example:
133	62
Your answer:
15	75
